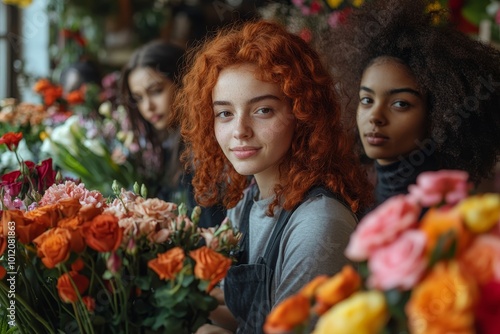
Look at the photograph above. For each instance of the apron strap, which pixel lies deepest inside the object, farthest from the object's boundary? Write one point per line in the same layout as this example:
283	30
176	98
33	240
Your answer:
242	257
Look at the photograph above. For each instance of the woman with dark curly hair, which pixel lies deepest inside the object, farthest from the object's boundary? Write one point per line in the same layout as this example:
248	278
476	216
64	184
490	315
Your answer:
426	96
258	102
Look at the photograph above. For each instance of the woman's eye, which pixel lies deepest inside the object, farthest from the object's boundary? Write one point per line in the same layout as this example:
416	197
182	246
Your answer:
264	111
156	90
401	104
223	114
365	100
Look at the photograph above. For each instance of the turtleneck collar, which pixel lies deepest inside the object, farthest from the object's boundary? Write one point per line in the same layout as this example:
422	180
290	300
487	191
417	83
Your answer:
394	179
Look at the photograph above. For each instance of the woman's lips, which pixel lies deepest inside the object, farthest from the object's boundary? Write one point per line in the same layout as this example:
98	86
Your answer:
244	152
375	138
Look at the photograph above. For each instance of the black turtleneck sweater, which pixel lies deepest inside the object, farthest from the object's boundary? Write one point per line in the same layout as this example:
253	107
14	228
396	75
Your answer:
394	179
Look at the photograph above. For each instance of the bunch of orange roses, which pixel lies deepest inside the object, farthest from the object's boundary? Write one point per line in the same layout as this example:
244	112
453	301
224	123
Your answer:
76	261
428	264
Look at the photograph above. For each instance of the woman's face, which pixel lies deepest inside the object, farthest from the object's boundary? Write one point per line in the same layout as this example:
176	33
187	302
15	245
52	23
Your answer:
153	94
392	111
254	123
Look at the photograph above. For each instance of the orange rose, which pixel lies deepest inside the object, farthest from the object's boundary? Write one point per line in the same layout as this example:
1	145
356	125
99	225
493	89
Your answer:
443	302
75	97
26	228
309	290
210	265
53	247
11	139
69	207
78	264
46	216
291	312
89	303
73	225
65	288
103	233
41	85
168	264
336	289
437	223
88	212
482	259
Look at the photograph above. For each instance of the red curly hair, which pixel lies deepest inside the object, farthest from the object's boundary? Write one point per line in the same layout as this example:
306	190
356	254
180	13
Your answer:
321	151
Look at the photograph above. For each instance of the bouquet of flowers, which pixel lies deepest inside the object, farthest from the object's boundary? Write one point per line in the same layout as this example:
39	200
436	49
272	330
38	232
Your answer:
429	264
27	118
85	138
310	19
75	261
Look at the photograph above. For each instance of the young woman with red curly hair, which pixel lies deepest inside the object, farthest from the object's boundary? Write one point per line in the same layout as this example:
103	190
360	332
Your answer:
256	101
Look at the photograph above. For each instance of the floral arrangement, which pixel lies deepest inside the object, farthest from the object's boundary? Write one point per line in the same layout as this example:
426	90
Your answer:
429	263
310	18
27	118
80	148
74	260
87	139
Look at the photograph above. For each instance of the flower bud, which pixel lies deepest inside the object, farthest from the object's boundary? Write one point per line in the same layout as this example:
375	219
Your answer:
144	191
195	215
182	209
114	263
136	187
115	187
131	247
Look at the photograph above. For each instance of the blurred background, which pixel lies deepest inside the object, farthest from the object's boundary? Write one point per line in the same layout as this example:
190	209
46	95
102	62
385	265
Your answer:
62	58
41	38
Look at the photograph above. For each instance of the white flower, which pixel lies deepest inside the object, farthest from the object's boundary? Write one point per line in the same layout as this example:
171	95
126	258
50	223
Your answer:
95	146
8	159
105	109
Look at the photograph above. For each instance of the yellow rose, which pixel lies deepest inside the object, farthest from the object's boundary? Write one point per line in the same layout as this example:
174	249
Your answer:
363	313
443	302
480	212
334	3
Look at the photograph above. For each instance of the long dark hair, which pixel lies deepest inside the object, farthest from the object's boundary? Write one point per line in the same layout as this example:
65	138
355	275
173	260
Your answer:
166	59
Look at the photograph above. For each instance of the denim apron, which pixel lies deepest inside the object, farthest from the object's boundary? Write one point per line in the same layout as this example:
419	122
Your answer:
247	287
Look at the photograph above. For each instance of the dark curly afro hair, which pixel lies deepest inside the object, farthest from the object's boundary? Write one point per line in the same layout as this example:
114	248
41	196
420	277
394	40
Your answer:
460	76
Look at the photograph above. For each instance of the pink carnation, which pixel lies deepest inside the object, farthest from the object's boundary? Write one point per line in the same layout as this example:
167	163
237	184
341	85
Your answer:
382	226
433	188
400	264
70	189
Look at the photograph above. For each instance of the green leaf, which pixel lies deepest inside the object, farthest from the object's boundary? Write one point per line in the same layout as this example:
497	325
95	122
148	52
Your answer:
143	282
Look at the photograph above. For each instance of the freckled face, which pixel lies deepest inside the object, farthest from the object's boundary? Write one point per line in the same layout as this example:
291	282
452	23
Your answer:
153	94
254	123
392	111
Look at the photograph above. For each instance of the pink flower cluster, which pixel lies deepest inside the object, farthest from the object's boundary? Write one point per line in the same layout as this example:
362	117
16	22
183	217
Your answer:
70	189
139	217
388	238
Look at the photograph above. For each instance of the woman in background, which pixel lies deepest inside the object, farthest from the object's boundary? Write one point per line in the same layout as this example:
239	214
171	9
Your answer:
148	83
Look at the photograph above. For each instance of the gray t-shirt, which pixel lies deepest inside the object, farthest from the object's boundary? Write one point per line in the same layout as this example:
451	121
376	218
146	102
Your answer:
313	241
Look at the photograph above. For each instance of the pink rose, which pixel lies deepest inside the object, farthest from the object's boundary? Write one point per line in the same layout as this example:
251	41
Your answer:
400	264
433	188
382	226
